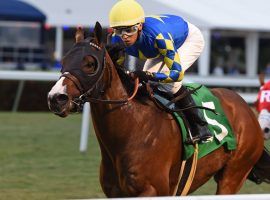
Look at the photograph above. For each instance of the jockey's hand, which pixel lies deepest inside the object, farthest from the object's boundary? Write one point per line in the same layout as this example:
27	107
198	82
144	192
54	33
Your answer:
144	76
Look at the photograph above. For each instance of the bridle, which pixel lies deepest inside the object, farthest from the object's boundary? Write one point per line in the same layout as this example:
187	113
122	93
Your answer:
87	92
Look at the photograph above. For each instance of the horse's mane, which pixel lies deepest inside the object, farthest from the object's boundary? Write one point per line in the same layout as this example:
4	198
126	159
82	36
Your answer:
115	51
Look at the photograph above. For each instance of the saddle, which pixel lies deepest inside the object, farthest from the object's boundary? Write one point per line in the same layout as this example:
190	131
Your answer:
173	104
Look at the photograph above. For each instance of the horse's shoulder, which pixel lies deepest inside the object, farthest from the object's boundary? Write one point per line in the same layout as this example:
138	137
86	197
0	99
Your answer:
224	93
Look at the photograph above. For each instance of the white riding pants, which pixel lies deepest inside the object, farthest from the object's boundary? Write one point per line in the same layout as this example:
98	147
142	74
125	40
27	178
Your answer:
189	52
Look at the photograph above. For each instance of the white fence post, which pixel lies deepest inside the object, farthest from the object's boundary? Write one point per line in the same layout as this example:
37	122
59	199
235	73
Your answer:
85	127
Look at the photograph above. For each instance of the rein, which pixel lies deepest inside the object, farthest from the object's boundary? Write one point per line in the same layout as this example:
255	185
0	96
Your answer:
85	97
95	100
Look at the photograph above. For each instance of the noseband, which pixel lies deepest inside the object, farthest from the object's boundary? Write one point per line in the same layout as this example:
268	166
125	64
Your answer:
89	84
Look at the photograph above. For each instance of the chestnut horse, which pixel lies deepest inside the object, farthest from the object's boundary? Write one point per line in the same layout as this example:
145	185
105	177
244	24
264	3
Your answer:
141	145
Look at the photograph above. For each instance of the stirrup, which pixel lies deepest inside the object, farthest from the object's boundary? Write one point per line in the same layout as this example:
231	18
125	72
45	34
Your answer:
206	139
193	140
198	139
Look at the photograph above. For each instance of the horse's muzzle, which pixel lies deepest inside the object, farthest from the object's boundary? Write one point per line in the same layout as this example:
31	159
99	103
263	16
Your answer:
59	104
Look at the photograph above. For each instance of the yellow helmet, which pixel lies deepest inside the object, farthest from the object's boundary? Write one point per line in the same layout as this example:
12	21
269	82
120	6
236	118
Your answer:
126	13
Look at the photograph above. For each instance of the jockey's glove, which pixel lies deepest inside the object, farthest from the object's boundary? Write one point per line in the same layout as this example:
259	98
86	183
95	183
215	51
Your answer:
144	76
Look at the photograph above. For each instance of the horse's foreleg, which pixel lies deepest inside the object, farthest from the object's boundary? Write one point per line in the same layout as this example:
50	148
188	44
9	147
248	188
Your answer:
140	189
107	177
108	180
148	191
137	183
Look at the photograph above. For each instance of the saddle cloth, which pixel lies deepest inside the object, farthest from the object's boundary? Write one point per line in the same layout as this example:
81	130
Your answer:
218	124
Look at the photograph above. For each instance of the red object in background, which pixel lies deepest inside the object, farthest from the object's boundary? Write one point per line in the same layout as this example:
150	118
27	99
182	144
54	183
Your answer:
47	26
109	30
263	98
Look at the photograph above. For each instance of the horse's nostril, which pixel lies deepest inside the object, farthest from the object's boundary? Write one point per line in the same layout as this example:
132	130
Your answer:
61	98
266	130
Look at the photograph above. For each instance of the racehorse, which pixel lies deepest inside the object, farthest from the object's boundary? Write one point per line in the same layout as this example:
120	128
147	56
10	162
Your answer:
141	145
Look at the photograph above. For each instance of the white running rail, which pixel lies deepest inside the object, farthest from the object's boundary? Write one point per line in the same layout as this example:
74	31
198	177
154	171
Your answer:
205	197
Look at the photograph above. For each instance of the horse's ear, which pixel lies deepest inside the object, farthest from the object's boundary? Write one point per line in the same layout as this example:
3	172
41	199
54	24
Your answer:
98	32
79	35
261	78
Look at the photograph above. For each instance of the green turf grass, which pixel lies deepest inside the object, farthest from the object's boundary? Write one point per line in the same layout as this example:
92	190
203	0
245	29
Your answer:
40	159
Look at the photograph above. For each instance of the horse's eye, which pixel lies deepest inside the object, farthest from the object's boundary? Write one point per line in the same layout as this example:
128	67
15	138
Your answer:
90	67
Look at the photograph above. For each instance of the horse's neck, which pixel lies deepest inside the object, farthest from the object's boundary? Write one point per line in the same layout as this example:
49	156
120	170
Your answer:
119	126
107	118
115	88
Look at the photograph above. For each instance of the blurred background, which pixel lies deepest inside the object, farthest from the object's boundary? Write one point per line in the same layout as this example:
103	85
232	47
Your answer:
39	151
35	34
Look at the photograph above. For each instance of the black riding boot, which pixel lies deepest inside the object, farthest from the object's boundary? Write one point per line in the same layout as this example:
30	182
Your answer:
198	126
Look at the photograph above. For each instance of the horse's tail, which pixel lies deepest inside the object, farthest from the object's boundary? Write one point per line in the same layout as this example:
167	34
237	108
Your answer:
261	170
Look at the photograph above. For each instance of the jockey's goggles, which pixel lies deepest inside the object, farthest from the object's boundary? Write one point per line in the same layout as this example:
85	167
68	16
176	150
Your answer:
129	31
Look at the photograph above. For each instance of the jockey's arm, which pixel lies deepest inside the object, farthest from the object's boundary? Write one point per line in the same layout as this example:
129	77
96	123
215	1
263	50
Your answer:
172	60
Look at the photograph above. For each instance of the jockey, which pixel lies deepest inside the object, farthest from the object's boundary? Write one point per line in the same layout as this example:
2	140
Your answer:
160	39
